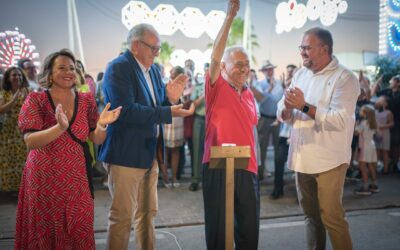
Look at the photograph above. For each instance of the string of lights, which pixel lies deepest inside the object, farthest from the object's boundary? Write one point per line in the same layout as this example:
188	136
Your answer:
389	27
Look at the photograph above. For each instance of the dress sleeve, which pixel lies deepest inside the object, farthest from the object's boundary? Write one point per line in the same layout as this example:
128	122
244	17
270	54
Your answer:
93	114
30	118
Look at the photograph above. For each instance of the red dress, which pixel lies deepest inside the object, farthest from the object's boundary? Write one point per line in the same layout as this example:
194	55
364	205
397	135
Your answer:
55	207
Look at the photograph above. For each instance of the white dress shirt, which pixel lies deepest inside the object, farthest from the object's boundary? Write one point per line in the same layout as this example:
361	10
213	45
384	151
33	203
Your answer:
322	144
146	73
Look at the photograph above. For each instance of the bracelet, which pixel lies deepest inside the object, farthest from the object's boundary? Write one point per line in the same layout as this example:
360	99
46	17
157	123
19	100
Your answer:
101	128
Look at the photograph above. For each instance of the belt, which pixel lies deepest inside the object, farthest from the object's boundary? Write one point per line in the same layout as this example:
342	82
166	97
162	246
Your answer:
268	116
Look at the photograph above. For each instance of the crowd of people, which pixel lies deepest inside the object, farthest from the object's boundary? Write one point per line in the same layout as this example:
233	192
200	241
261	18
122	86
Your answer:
55	126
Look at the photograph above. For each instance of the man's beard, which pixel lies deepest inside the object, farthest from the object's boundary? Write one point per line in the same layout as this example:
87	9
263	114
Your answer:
308	64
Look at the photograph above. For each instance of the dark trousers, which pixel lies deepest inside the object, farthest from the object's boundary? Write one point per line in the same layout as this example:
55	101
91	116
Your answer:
265	131
198	147
182	158
246	211
280	159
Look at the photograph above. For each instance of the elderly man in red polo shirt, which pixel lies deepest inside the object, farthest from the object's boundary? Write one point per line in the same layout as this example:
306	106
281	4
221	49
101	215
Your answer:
230	118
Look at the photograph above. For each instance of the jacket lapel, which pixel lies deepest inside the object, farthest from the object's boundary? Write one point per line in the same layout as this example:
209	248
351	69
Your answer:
155	86
140	74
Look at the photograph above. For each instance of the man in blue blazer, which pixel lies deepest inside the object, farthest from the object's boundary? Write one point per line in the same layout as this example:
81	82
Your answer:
133	145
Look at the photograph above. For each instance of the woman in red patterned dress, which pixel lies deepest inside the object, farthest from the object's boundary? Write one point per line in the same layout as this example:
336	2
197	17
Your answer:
55	206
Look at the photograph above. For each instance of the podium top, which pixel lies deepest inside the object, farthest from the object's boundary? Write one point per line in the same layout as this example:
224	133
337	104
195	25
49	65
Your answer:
230	152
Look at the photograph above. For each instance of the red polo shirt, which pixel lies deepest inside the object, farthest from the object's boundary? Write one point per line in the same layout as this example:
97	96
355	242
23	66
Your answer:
230	118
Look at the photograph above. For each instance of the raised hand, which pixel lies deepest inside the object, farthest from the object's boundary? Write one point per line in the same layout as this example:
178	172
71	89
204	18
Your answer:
179	110
175	88
360	75
61	117
109	116
271	84
233	7
282	77
283	80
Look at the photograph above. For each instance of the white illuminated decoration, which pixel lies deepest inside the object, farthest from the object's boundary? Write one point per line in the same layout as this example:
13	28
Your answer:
162	20
389	27
383	20
291	14
214	21
179	56
15	46
393	29
167	20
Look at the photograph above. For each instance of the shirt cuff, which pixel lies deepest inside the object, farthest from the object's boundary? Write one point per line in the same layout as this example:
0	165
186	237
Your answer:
320	116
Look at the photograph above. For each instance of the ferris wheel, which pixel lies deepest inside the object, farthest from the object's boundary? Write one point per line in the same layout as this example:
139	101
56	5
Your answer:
14	46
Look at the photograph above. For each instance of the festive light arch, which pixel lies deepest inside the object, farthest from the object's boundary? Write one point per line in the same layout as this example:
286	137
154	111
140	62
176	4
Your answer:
291	14
167	20
15	46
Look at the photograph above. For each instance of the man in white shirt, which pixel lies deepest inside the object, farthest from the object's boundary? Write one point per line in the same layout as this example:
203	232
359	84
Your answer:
320	106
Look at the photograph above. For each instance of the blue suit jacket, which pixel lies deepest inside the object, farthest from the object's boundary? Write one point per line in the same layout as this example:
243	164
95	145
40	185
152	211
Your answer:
131	140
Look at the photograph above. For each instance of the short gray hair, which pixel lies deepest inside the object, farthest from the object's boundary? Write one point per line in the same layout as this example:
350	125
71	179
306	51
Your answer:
138	31
231	50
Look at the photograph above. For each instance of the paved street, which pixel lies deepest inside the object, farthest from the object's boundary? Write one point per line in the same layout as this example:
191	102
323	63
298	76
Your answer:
374	220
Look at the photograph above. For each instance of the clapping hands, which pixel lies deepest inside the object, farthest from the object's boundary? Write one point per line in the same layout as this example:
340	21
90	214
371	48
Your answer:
61	117
109	116
180	111
294	98
175	88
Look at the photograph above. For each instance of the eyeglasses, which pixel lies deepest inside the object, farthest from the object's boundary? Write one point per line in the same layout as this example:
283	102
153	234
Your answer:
241	65
154	49
308	47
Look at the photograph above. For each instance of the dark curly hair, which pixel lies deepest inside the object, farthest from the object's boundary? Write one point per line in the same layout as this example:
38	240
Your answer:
6	84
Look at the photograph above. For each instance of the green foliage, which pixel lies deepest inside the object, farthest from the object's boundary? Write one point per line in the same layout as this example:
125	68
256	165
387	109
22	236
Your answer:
165	53
236	35
387	67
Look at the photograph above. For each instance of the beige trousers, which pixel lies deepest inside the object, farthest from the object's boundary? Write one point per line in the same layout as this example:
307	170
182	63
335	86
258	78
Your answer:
134	200
320	196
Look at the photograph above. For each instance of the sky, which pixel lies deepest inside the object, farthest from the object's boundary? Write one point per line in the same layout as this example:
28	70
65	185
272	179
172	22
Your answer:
45	22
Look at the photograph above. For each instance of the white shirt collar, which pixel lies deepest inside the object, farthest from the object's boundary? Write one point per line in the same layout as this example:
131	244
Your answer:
143	68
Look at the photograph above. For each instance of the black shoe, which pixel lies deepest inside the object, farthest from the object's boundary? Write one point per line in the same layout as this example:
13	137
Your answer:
362	191
275	195
373	188
193	187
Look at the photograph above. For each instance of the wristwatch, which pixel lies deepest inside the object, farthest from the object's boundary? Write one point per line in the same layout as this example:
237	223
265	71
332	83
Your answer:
306	108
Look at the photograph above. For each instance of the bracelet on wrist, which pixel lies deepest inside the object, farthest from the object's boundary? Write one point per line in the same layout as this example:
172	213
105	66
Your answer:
102	128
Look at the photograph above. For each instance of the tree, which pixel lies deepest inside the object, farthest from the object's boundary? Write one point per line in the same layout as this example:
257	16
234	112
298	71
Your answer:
165	53
236	35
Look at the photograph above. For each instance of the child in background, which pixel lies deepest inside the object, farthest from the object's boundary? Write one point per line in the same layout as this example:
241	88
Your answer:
384	119
367	156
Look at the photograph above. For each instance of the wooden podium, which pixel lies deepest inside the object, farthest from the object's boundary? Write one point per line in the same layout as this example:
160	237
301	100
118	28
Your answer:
230	158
